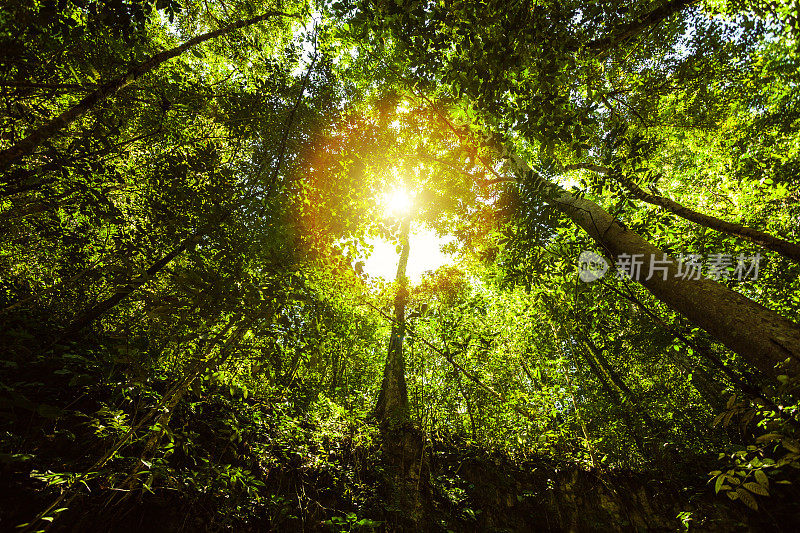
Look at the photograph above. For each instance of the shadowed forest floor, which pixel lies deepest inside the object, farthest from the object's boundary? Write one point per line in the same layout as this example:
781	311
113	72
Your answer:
244	465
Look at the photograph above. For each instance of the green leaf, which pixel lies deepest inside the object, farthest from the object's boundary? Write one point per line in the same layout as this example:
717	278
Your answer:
747	498
762	478
755	488
791	445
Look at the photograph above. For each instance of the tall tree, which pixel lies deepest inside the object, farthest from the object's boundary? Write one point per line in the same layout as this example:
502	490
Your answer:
391	407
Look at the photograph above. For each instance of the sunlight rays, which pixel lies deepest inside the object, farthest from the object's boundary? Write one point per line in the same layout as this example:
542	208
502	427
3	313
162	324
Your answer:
426	245
397	203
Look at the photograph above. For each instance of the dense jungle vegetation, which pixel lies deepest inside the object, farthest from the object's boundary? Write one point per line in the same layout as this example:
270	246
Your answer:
591	213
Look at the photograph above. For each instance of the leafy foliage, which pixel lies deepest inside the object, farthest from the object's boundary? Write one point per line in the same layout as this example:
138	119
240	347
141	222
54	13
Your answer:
188	325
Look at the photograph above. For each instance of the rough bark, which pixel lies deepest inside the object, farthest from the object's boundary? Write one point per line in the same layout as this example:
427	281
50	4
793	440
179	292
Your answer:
112	87
786	248
392	405
761	336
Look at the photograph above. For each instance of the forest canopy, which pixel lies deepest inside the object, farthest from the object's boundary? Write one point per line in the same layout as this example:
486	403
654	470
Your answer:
292	265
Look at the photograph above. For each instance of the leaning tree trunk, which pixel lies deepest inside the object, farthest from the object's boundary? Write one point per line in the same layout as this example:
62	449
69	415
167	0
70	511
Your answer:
101	308
202	363
765	339
607	368
761	336
392	405
786	248
112	87
636	415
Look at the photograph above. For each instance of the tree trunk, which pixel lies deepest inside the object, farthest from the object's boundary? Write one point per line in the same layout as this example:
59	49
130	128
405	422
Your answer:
603	363
101	308
761	336
392	405
787	249
615	396
468	405
601	376
528	373
201	363
643	22
66	283
571	389
110	88
743	383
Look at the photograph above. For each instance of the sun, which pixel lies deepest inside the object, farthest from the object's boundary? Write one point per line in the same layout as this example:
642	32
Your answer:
397	203
426	245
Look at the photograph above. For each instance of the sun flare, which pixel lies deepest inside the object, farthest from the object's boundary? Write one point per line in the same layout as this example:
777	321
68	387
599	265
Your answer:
397	203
